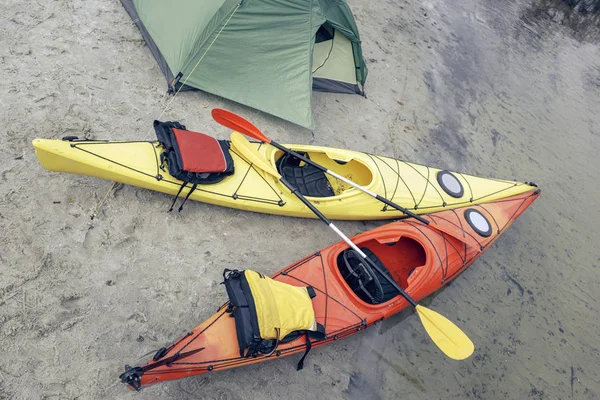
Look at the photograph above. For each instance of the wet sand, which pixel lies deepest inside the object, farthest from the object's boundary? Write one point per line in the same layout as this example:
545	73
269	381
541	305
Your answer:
490	88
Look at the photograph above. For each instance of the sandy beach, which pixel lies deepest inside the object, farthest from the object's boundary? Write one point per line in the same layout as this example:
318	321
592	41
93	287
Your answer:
496	89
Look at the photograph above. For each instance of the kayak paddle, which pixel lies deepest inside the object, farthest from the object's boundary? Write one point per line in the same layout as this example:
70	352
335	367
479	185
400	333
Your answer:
445	334
239	124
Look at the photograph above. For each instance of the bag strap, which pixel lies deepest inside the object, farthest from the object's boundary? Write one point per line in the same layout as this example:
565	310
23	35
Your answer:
184	184
318	334
276	343
308	347
188	196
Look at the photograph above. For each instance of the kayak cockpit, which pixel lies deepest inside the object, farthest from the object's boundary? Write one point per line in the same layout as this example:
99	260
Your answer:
313	182
396	259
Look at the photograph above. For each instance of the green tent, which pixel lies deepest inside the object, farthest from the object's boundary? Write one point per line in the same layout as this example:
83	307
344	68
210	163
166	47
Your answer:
266	54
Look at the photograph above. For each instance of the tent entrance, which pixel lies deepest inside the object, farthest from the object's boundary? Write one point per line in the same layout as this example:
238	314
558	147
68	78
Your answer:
333	62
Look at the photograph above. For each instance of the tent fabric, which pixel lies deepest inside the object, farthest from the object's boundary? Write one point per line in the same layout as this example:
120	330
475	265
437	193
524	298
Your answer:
257	52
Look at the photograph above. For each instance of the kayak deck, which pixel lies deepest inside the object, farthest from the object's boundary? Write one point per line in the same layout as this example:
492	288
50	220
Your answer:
410	185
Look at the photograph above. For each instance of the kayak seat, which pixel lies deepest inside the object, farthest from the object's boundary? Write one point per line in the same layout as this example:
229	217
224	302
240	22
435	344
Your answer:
309	180
368	283
192	157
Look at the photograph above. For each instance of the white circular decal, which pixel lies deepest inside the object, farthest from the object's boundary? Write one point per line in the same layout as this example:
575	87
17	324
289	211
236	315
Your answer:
451	183
478	222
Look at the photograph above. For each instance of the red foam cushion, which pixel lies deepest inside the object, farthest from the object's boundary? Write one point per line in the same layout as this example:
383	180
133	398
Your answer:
199	152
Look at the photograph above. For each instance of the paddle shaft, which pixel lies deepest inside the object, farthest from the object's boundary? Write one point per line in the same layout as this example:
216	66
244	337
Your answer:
349	182
347	240
237	123
456	344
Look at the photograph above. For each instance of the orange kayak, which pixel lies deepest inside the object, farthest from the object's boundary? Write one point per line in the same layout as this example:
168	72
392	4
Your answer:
421	259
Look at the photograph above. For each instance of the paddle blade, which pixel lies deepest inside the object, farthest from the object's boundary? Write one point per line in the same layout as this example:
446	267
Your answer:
239	124
447	336
249	153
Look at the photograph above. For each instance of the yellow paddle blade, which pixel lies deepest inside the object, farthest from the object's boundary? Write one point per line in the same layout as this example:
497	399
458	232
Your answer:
447	336
250	154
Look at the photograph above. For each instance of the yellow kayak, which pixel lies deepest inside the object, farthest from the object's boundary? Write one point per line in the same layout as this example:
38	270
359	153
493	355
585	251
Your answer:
419	188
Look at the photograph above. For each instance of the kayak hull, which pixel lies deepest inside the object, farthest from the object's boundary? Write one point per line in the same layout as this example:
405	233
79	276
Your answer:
413	186
421	258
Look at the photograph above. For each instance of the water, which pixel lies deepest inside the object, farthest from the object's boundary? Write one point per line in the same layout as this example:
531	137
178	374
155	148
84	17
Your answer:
503	89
